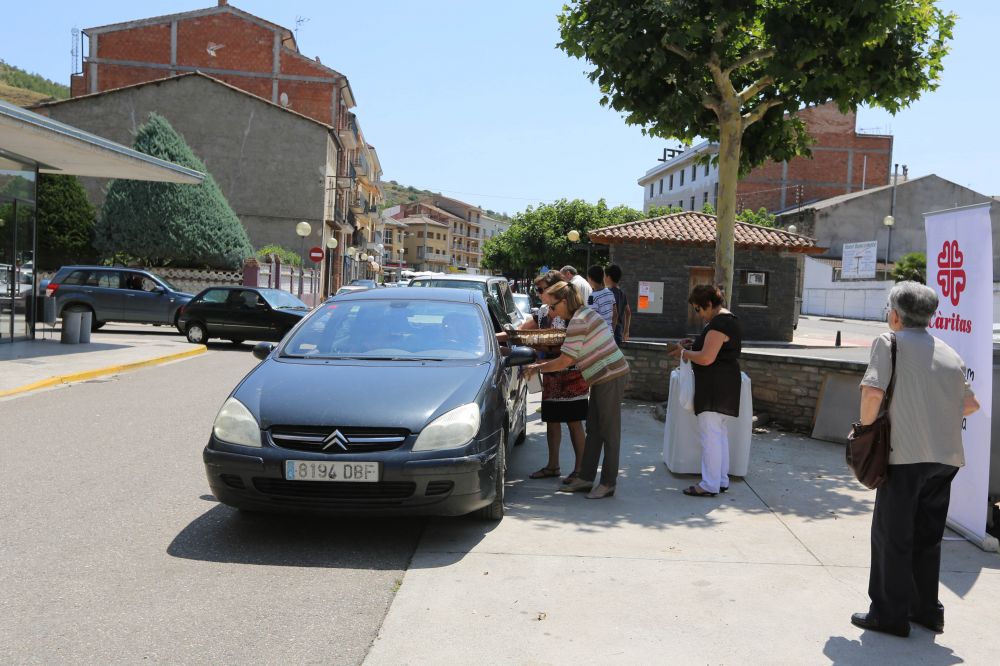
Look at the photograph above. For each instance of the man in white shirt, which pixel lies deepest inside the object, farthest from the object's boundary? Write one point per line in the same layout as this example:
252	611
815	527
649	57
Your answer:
602	299
582	286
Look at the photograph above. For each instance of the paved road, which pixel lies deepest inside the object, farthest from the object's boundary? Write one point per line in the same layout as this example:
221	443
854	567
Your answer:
856	332
112	550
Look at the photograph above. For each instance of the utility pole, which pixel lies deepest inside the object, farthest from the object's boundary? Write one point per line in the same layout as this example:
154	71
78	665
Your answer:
892	213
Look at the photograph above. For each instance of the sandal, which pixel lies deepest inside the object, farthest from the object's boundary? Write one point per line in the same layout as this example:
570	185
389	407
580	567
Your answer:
697	491
569	477
545	473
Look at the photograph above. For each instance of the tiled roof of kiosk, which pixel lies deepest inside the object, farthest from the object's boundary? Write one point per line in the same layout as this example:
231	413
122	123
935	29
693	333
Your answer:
691	228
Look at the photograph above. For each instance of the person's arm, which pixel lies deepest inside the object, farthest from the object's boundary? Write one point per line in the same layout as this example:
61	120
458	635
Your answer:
528	324
614	316
871	400
709	352
559	363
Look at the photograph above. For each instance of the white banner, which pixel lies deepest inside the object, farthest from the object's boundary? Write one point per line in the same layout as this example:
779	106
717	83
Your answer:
960	269
859	260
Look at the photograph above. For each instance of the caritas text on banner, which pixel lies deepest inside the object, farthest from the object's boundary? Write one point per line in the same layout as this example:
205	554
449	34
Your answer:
960	269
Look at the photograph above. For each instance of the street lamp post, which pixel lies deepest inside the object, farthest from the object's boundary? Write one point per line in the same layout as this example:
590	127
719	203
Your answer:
303	229
331	244
573	236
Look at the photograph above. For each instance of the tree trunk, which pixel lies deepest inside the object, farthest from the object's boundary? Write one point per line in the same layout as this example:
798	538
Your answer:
730	137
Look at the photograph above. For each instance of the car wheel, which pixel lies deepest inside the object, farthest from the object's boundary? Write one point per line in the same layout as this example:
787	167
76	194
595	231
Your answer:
97	325
495	509
196	333
524	422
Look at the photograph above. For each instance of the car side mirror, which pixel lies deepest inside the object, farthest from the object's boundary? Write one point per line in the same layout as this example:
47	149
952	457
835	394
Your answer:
159	290
262	350
519	355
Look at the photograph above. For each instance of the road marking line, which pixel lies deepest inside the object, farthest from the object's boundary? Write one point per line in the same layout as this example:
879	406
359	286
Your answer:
100	372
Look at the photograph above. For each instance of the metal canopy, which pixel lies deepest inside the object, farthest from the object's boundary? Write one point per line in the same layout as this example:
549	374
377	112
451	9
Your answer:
61	149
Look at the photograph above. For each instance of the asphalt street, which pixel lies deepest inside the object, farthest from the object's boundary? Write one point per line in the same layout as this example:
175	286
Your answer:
113	551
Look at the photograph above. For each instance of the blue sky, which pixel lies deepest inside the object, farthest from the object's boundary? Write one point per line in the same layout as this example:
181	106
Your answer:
473	99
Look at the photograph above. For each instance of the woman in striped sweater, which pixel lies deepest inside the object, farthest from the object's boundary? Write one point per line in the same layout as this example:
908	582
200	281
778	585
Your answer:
590	346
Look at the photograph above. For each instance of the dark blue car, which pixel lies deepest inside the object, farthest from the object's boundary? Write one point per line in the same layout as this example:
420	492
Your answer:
305	430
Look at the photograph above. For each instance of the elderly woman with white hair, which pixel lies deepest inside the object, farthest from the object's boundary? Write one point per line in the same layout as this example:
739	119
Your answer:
930	397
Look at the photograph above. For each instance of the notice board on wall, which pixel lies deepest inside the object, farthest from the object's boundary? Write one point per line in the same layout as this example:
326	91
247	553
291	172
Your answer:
650	299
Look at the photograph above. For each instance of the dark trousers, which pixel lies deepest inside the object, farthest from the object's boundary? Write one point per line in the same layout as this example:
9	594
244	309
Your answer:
604	431
910	512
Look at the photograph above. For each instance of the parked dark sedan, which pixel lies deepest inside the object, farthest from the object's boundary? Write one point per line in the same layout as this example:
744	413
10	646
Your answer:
240	313
304	431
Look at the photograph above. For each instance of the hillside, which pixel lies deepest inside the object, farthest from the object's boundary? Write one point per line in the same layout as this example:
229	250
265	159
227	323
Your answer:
396	193
24	89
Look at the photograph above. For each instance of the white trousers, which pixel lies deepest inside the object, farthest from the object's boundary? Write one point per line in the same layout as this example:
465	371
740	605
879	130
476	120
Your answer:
713	431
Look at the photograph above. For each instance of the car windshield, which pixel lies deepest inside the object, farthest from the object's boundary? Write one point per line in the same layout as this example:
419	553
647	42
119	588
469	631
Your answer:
451	284
282	300
403	330
364	283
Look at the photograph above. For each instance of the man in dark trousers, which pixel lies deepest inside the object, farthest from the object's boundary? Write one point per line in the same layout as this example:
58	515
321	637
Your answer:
612	276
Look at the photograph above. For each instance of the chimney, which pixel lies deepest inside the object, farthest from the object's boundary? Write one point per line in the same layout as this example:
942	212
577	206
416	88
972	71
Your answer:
223	3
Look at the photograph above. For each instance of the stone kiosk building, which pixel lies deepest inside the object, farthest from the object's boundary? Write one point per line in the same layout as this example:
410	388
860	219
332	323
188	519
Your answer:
664	257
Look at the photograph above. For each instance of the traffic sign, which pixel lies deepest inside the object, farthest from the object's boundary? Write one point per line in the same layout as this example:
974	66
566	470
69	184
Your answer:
316	254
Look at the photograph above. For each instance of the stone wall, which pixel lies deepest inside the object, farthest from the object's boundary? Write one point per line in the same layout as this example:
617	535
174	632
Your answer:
786	388
672	264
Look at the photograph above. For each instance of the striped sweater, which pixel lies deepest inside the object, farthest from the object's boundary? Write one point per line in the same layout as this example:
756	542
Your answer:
590	343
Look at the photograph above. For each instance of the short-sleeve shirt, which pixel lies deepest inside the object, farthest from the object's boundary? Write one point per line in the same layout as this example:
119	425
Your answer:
717	387
583	287
591	345
927	399
602	301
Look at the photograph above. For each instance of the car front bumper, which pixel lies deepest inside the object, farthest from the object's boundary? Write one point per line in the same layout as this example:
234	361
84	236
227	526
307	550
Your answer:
254	479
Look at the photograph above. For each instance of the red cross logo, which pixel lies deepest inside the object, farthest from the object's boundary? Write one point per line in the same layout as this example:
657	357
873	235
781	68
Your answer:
951	277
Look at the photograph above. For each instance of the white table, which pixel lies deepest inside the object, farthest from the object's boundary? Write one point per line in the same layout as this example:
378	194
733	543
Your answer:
681	445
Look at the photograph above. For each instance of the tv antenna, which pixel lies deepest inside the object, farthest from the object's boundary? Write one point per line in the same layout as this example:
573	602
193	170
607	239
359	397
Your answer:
299	20
74	51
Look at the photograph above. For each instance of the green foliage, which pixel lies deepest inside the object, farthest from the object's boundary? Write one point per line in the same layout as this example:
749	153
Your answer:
660	211
730	71
283	254
911	266
537	236
65	220
761	218
19	78
169	223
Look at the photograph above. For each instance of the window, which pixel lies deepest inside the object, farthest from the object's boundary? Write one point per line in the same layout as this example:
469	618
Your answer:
214	296
104	279
76	277
682	178
751	287
680	204
420	234
706	169
694	172
715	196
650	190
692	203
661	186
671	181
704	199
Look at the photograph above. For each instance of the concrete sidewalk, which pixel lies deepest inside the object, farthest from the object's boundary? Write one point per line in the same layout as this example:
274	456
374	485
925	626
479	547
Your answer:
44	362
768	573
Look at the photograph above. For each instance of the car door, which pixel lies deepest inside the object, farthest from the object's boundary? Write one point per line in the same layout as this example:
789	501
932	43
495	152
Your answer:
103	288
209	309
144	299
255	320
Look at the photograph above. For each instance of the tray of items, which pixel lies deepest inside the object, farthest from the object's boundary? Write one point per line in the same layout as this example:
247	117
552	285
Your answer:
538	337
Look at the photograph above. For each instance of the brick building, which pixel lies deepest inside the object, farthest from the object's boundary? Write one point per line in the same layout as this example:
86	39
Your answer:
261	58
665	257
843	161
461	225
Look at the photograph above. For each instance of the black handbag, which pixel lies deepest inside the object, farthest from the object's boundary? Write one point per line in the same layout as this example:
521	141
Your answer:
868	445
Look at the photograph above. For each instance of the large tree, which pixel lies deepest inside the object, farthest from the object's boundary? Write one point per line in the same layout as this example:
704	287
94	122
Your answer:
65	222
170	223
738	71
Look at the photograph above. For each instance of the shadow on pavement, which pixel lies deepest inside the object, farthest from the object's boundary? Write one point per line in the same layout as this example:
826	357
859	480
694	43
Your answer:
223	534
47	349
876	648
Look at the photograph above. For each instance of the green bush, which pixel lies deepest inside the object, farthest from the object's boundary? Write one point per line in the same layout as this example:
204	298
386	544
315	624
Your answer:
65	221
912	266
172	224
284	255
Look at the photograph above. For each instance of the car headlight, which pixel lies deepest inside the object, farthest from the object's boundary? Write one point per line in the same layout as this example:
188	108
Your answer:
236	425
450	430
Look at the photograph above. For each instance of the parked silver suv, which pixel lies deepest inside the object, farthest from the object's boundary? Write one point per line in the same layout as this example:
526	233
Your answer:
113	293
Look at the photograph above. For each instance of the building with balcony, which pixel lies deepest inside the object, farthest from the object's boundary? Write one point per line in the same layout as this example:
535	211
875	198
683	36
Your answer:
261	58
425	243
843	161
464	225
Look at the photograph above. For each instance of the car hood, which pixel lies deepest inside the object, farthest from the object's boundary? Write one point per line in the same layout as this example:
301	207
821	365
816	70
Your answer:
386	394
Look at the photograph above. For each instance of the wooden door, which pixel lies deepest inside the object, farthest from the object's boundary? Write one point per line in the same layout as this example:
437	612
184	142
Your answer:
699	275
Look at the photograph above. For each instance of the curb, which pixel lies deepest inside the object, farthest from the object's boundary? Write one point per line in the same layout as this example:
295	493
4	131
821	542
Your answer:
100	372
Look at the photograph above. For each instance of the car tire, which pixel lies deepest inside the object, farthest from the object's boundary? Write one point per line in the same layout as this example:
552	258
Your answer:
494	510
236	341
196	333
97	325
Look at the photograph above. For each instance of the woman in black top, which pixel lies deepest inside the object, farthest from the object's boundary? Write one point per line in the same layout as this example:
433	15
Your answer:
717	383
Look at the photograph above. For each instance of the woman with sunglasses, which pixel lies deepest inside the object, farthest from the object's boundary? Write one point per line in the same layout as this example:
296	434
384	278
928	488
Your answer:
717	382
564	393
590	346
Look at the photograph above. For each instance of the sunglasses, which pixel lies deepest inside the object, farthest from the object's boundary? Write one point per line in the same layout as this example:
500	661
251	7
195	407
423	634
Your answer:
697	308
540	290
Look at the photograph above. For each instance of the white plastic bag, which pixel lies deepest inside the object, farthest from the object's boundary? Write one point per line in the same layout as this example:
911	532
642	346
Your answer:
686	386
